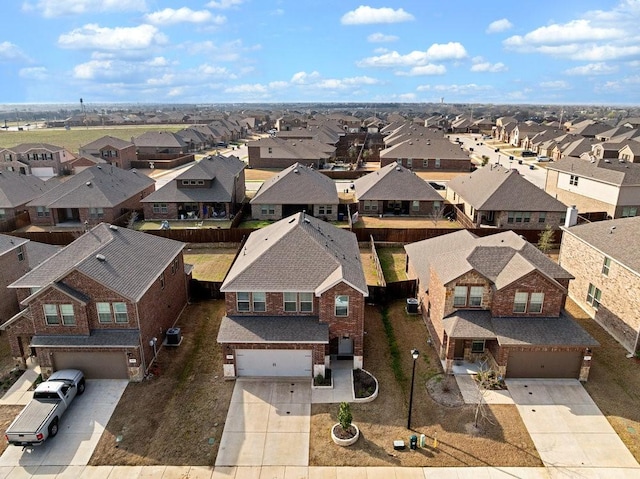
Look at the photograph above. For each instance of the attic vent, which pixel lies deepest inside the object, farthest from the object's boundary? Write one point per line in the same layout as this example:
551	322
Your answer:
88	183
113	227
296	171
398	168
99	167
607	160
307	220
291	220
100	257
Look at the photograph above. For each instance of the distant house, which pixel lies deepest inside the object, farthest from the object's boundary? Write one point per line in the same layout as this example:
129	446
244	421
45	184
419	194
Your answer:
97	194
603	258
295	189
160	145
294	301
279	153
102	304
498	299
426	154
38	159
395	190
16	190
214	187
497	196
113	151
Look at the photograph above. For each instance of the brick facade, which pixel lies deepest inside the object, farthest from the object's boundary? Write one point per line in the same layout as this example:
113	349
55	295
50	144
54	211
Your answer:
418	164
425	208
12	268
584	204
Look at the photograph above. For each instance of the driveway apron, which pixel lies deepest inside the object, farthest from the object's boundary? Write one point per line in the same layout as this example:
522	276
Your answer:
566	426
267	424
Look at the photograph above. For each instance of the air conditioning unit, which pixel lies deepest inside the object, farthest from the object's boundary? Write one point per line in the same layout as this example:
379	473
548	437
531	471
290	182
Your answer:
412	305
173	337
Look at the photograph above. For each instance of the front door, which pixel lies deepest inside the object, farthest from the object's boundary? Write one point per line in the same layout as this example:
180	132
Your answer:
458	352
345	347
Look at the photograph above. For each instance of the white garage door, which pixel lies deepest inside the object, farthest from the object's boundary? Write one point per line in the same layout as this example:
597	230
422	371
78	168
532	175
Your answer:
273	362
43	172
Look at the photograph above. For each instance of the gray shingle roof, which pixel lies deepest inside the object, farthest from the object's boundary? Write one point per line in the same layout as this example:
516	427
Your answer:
272	329
615	173
106	141
424	149
8	243
394	182
159	139
97	338
297	184
495	188
102	186
621	243
17	189
298	253
133	261
295	149
469	324
39	252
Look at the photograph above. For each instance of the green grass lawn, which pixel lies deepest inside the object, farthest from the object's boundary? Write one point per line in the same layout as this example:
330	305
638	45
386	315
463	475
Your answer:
393	262
183	224
209	264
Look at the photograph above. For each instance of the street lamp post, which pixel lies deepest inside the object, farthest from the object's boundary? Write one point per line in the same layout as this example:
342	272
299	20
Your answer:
415	354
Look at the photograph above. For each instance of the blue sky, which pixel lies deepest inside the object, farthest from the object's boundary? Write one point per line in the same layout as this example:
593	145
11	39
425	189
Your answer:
224	51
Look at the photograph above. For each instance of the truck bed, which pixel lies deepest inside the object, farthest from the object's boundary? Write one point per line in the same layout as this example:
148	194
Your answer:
33	416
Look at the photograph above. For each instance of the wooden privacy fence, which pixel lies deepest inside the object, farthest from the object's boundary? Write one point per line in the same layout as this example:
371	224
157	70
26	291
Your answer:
376	260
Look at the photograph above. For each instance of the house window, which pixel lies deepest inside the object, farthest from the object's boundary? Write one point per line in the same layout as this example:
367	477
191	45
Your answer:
593	296
185	182
104	312
199	182
477	346
162	280
174	265
520	302
120	311
270	150
325	209
160	208
542	217
302	302
51	314
96	212
342	305
606	265
370	205
437	163
268	209
7	157
242	300
518	217
425	163
306	302
259	302
291	302
415	205
2	213
42	211
409	162
460	296
475	295
628	211
437	205
21	253
535	302
68	316
573	180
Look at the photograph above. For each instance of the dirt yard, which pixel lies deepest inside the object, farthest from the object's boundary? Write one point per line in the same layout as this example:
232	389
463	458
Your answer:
503	443
7	415
176	417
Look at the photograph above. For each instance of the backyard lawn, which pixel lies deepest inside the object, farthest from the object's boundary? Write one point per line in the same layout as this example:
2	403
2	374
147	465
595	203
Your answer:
393	262
210	264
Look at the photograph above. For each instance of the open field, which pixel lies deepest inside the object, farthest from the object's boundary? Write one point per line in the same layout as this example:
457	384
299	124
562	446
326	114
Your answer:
76	136
210	264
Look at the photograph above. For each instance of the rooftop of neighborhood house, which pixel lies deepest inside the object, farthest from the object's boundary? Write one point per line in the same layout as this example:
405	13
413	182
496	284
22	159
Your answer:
496	188
617	239
394	182
297	184
272	329
27	147
97	337
124	260
502	258
8	243
106	141
425	148
613	171
159	139
297	253
100	186
294	149
17	189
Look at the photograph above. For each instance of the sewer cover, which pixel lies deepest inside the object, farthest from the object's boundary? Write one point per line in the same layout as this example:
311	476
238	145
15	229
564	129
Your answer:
212	440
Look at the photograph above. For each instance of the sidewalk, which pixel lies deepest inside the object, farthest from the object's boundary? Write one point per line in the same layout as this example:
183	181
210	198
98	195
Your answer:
19	394
342	390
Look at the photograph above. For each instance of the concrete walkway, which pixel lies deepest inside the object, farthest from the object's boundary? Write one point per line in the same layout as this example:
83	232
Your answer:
342	391
19	393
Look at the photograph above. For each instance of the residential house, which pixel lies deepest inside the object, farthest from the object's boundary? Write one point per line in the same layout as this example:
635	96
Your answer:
396	190
39	159
498	299
294	301
16	190
160	145
501	197
427	154
214	187
97	194
603	258
111	150
102	304
295	189
280	153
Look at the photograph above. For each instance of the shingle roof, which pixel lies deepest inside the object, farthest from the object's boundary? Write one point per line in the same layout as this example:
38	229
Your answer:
619	243
17	190
295	149
98	337
272	329
132	260
102	186
394	182
8	243
424	149
612	172
469	324
40	252
297	184
298	253
25	147
495	188
159	139
106	141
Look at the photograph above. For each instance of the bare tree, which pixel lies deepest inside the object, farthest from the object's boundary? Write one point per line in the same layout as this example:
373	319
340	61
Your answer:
437	213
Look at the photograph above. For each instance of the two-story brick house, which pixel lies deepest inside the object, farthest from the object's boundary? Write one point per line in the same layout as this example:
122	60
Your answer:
112	150
498	298
16	190
38	159
294	300
102	304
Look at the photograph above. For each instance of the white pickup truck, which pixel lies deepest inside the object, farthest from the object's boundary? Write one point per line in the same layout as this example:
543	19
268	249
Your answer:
40	419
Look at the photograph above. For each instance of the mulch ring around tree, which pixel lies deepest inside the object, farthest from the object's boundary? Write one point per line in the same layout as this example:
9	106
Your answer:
444	390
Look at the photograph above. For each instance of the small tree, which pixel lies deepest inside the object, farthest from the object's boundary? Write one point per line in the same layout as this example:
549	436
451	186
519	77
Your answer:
437	213
344	416
545	239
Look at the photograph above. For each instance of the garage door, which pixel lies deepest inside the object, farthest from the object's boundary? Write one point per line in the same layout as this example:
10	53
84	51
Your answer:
94	365
542	364
43	172
273	362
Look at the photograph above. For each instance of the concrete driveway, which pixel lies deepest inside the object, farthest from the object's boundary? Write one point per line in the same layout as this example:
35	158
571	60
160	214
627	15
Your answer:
566	426
80	429
267	424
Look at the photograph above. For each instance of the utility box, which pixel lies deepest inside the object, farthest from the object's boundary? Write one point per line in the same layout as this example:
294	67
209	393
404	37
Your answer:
413	442
423	440
412	305
173	336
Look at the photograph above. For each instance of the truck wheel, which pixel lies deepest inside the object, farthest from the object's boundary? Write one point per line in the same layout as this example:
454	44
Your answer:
81	387
53	428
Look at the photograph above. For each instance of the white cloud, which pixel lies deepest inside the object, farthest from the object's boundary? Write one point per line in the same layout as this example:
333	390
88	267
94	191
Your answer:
555	85
246	88
92	36
93	69
11	52
592	69
423	70
59	8
214	71
169	16
381	38
573	31
303	78
499	26
365	15
479	65
467	89
446	51
436	52
230	51
34	73
224	4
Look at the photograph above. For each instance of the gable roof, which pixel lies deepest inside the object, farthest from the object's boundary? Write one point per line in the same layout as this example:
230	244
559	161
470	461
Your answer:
297	184
9	243
606	171
17	189
102	186
298	253
106	141
495	188
159	139
394	182
132	261
425	148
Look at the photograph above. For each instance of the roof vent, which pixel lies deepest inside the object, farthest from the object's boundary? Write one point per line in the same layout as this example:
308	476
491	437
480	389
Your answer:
113	227
607	160
99	167
611	229
307	220
296	171
100	257
398	168
88	183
